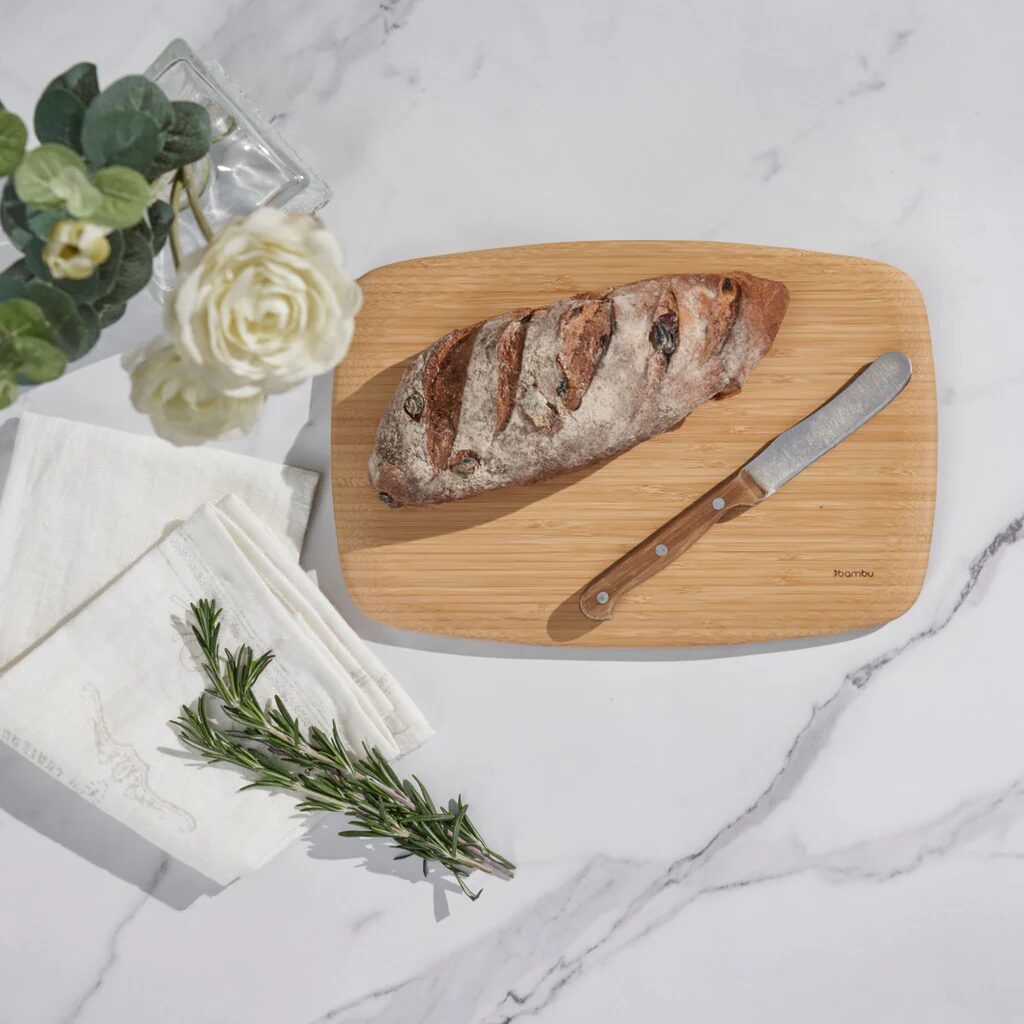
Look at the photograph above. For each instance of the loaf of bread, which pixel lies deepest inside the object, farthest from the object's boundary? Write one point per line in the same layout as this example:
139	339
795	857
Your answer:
535	392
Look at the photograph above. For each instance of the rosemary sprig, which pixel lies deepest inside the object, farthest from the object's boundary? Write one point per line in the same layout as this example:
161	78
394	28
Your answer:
269	743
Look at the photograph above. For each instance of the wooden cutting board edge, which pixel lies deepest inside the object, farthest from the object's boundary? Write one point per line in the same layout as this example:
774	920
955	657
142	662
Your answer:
713	256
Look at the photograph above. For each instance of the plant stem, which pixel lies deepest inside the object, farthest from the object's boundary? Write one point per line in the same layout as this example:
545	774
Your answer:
193	202
173	237
231	128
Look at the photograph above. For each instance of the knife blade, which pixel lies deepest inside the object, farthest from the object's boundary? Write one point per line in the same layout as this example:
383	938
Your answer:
863	397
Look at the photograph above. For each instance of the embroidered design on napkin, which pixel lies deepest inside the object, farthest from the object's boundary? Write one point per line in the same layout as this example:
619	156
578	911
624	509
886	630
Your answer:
128	770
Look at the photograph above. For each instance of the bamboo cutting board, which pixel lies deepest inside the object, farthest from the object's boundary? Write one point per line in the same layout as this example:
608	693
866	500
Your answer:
844	546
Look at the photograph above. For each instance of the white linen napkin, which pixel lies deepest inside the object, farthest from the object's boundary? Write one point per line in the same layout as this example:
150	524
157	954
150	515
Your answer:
82	502
90	702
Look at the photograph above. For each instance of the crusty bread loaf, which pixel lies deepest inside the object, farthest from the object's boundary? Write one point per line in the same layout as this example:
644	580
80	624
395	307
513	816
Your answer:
535	392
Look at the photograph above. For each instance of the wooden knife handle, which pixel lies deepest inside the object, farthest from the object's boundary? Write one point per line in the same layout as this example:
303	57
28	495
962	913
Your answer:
728	499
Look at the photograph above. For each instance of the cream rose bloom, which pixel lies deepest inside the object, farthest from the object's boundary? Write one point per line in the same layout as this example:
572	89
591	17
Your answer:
180	403
266	305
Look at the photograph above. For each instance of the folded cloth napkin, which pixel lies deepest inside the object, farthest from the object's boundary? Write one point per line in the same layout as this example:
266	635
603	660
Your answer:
105	540
81	503
91	702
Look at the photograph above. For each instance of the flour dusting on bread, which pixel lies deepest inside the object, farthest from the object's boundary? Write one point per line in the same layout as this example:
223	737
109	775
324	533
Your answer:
535	392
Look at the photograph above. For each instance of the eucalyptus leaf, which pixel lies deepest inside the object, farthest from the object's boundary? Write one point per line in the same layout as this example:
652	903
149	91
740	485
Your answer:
58	118
135	269
41	222
77	191
80	79
14	218
134	93
13	138
145	229
107	313
187	139
124	197
34	260
37	359
11	288
63	317
40	167
8	387
130	138
91	328
18	271
161	216
21	317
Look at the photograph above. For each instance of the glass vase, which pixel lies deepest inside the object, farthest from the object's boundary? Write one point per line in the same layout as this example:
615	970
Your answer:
249	165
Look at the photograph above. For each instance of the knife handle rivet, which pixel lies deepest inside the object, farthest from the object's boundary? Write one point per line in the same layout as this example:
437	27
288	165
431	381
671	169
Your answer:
661	551
718	504
602	597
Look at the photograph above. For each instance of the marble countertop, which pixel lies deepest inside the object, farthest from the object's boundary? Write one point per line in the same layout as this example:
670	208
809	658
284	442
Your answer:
819	832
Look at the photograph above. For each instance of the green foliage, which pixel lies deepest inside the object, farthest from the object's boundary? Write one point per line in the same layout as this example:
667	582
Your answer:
75	331
107	312
138	93
161	216
136	267
13	137
124	195
8	386
38	360
14	218
126	124
80	80
77	193
11	288
98	153
26	347
20	318
18	271
41	222
127	137
88	331
58	117
46	173
54	177
187	139
61	109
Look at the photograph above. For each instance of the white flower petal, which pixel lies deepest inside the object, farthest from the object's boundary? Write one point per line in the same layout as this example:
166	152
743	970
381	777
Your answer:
179	401
266	305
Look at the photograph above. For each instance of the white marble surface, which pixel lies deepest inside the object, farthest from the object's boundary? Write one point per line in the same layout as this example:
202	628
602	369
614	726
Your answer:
826	833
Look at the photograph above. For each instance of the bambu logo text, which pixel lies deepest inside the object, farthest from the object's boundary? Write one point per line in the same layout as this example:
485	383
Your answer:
847	573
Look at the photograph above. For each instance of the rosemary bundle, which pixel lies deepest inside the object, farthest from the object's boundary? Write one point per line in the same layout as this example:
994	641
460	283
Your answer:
269	743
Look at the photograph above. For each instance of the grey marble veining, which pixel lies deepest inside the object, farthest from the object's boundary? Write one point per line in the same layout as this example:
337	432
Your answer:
647	897
819	833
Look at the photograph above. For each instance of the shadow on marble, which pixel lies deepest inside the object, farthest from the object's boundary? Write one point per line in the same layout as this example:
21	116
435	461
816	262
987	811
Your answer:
323	843
312	449
45	805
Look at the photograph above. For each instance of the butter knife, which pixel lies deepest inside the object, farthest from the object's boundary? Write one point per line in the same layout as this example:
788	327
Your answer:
863	397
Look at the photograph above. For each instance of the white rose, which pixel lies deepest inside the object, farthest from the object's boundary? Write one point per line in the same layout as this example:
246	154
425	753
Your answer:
181	404
266	305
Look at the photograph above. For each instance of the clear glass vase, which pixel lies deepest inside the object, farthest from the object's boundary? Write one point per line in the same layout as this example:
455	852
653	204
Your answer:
249	164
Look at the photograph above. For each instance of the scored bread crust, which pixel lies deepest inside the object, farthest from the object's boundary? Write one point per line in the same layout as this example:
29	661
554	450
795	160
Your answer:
535	392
